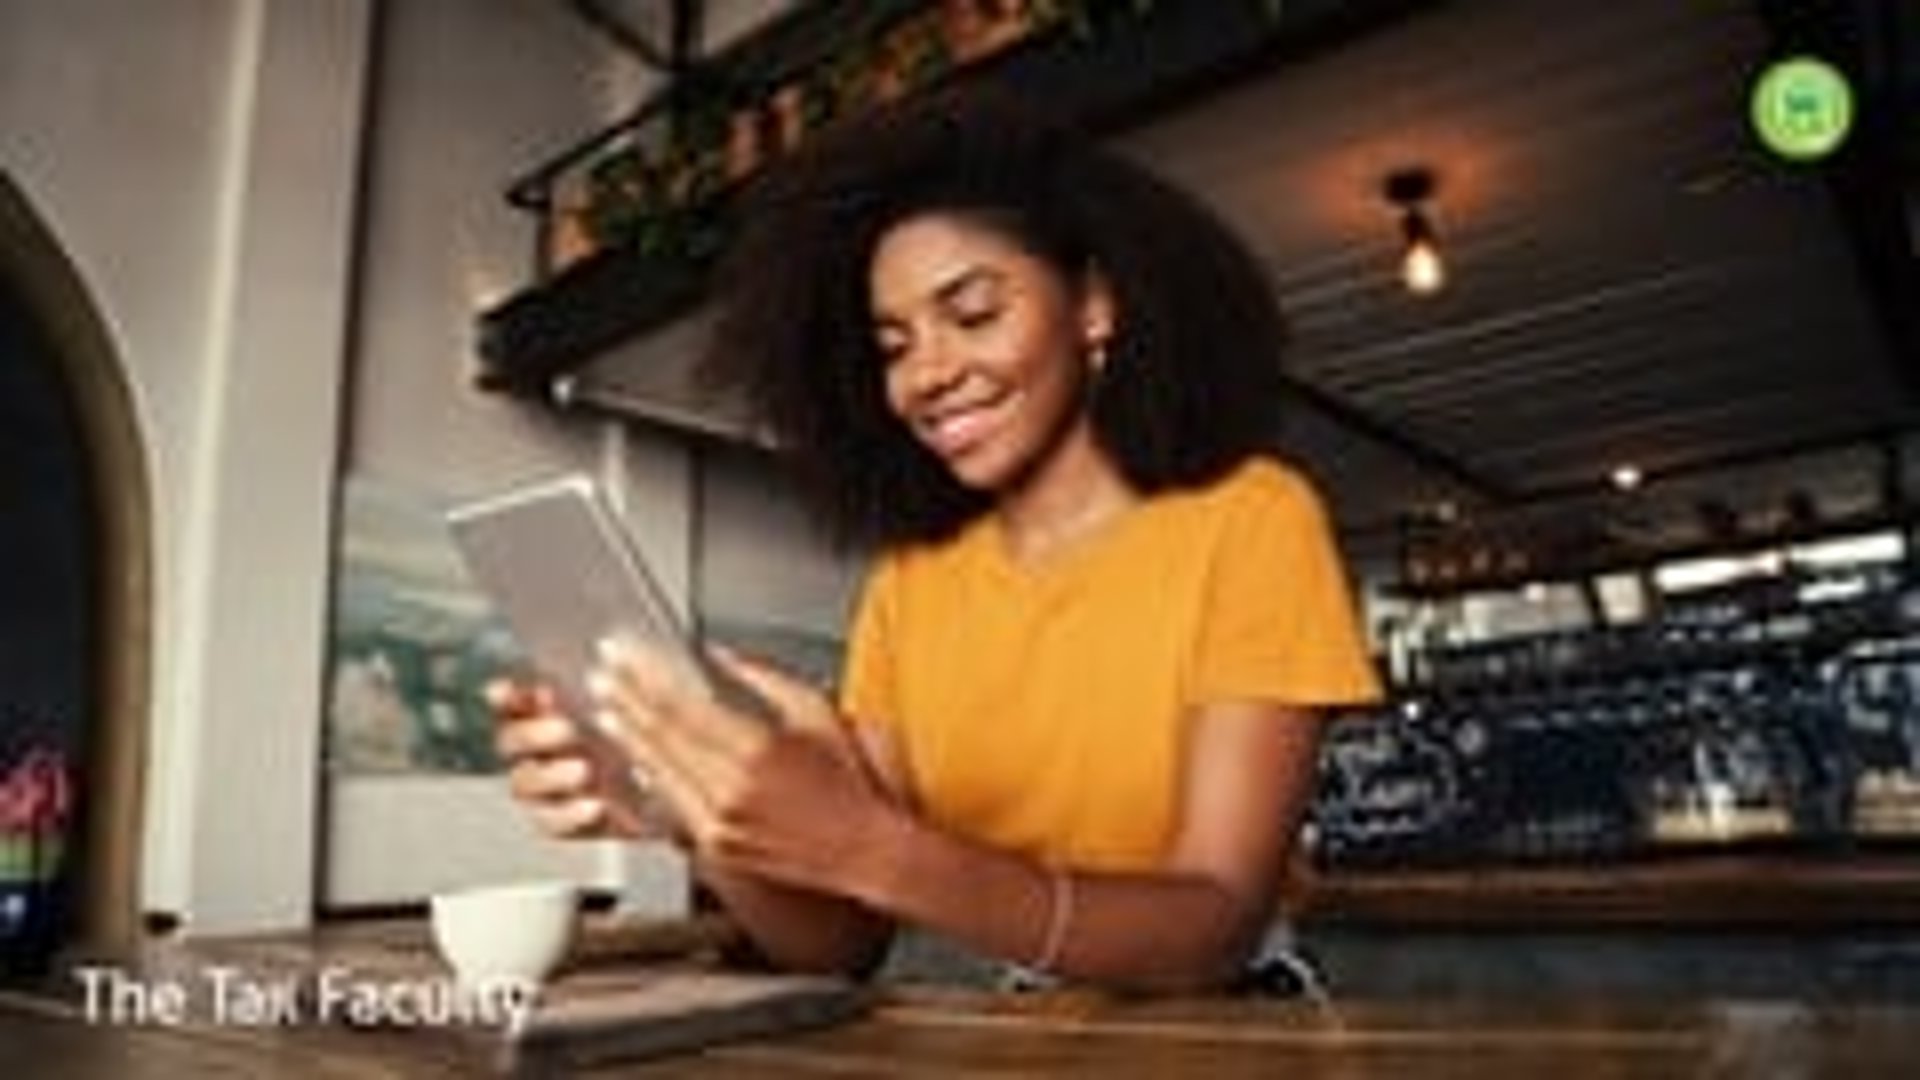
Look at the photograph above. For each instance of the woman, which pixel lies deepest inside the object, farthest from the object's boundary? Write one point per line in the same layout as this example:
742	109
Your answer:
1079	715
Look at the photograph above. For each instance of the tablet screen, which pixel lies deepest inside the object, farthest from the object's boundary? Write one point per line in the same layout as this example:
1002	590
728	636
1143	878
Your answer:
566	574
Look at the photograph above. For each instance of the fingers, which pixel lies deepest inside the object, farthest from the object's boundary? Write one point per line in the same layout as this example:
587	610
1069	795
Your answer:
550	779
700	755
501	695
801	704
568	783
664	770
546	735
569	818
515	698
690	802
666	738
628	713
548	773
555	787
647	665
807	710
644	689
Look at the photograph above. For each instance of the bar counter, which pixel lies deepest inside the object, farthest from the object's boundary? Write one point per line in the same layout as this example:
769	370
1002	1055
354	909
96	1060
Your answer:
905	1030
1717	890
927	1033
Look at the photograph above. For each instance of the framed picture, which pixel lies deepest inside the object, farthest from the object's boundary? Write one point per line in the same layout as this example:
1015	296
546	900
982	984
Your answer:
416	802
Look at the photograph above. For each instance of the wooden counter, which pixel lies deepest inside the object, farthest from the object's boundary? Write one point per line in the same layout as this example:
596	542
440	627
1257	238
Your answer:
919	1031
1717	890
952	1034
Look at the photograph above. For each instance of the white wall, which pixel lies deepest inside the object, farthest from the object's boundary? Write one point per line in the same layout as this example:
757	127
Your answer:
202	162
197	162
470	94
727	20
805	589
110	123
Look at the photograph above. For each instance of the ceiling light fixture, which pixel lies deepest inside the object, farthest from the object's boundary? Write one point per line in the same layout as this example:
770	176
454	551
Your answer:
1421	268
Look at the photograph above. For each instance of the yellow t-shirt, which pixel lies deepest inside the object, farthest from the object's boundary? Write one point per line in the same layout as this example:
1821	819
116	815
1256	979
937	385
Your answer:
1041	709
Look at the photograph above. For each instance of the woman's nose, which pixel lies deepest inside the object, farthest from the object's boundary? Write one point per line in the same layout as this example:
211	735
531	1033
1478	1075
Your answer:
931	368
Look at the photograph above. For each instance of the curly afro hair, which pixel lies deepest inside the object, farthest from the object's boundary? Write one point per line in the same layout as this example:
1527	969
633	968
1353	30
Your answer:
1193	383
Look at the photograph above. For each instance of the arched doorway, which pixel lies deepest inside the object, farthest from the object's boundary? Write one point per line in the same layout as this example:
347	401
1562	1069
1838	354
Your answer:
75	559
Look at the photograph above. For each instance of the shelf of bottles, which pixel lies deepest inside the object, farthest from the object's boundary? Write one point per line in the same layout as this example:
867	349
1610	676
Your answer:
1779	710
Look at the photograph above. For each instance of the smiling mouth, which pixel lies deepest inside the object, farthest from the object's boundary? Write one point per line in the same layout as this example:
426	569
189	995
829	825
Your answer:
951	432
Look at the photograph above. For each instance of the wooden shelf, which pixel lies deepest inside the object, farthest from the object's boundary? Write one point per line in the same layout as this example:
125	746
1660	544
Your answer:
1135	66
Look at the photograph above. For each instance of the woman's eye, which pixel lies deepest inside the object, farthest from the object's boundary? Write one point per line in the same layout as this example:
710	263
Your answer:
975	318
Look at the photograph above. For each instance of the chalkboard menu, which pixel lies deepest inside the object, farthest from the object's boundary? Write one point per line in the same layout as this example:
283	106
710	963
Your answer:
1778	716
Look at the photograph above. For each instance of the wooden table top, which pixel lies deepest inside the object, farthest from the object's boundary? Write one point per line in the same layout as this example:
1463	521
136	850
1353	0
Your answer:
968	1035
931	1032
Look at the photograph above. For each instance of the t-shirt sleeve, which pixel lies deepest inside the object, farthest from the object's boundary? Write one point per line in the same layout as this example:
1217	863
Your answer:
867	684
1280	623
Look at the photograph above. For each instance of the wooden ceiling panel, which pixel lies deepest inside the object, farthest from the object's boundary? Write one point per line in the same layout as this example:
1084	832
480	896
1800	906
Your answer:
1631	277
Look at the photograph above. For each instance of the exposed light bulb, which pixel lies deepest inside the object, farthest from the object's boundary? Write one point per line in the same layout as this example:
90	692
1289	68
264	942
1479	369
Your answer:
1626	477
1422	270
1421	267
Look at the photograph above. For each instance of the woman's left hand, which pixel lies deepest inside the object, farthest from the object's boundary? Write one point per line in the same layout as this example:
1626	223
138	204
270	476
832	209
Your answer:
791	802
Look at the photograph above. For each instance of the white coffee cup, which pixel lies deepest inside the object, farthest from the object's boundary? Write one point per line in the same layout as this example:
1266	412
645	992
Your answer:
505	934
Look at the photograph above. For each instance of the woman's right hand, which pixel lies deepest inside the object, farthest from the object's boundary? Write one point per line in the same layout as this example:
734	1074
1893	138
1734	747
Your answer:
573	786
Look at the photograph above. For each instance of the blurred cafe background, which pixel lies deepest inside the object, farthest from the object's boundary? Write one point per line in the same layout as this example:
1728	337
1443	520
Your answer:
1613	388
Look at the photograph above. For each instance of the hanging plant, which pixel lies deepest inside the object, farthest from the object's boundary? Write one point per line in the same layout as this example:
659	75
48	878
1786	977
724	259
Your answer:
699	127
743	146
785	118
889	81
623	191
1076	14
977	29
847	78
920	51
966	29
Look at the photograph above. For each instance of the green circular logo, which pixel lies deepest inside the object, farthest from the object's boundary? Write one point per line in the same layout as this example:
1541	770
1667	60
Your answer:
1802	108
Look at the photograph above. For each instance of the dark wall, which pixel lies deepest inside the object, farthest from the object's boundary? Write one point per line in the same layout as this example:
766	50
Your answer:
47	546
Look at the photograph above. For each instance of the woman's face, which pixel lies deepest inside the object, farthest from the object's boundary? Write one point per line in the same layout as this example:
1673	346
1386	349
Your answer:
985	345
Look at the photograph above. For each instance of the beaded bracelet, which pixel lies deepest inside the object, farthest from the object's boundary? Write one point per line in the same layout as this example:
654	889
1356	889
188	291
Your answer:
1059	918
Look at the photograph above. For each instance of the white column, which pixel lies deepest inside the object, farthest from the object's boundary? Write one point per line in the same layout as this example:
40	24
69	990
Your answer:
233	812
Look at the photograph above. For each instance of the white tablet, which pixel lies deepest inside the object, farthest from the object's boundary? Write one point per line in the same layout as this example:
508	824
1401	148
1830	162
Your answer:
566	575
